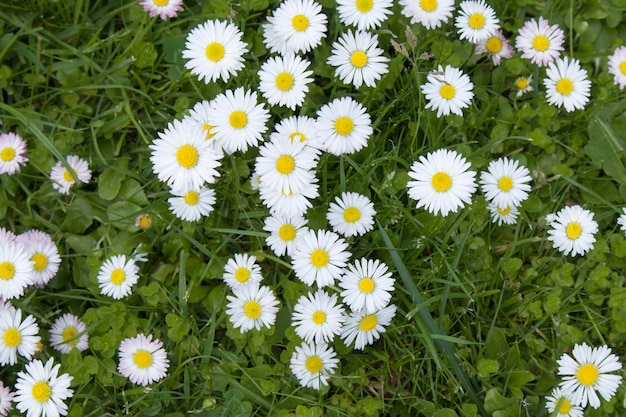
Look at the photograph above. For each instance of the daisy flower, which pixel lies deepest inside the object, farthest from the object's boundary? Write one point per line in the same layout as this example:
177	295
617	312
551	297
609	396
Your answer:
358	59
364	328
562	404
320	257
313	364
505	183
448	90
317	317
238	120
12	153
44	254
142	360
69	332
62	179
162	8
284	232
524	85
16	270
241	270
367	285
17	336
497	46
587	374
252	307
214	50
41	391
297	26
442	183
567	84
290	204
572	230
351	214
617	67
364	14
143	221
344	126
117	276
540	42
191	204
476	20
298	128
504	214
285	80
6	236
182	157
621	220
6	399
200	115
429	13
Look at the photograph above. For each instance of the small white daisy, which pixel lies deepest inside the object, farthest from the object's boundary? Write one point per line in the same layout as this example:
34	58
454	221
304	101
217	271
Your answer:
200	114
191	204
17	336
16	270
505	183
240	270
284	232
587	374
298	128
364	14
69	332
313	364
41	391
540	42
44	254
621	220
344	126
162	8
476	20
562	404
497	46
290	204
442	183
317	317
12	153
239	120
285	80
567	84
320	257
351	214
364	328
358	59
367	285
429	13
6	399
505	214
296	26
215	50
252	307
572	230
117	276
524	85
617	67
448	90
62	179
6	236
142	360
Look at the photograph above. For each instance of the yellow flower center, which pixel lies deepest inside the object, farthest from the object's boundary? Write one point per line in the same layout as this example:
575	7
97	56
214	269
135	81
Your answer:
319	258
7	154
368	323
493	45
319	317
565	86
284	81
351	214
587	374
144	221
358	59
441	182
447	91
214	51
301	137
565	406
118	276
622	67
40	260
207	128
285	164
541	43
242	274
142	359
428	5
7	270
573	230
192	198
364	6
505	183
504	211
521	83
161	3
67	176
344	125
69	335
367	285
238	119
41	391
300	22
313	364
287	232
252	309
477	21
187	156
12	337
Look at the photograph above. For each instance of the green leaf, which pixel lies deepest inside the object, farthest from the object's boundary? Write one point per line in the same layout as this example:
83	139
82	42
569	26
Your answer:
145	54
122	214
446	412
109	183
487	367
178	327
606	149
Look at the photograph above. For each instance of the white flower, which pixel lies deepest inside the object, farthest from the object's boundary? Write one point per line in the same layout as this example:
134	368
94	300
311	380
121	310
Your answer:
297	26
358	59
621	220
298	128
430	13
442	183
291	204
367	285
572	230
505	183
62	179
313	364
17	336
617	67
448	90
69	332
497	46
6	236
252	307
523	85
351	214
44	254
567	84
476	20
191	204
117	276
162	8
284	232
6	399
41	391
503	214
285	81
364	328
562	404
142	360
200	115
241	270
16	270
364	14
540	42
320	257
344	126
12	153
317	317
587	374
214	50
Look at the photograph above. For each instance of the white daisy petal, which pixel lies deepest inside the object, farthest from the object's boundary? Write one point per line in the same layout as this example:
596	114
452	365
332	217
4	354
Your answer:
318	317
252	307
240	270
505	183
162	8
284	233
572	230
367	285
69	332
364	14
476	20
117	276
351	214
41	391
344	126
540	42
284	81
313	364
562	404
362	328
62	179
448	90
429	13
17	336
12	153
142	360
567	84
617	67
320	257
